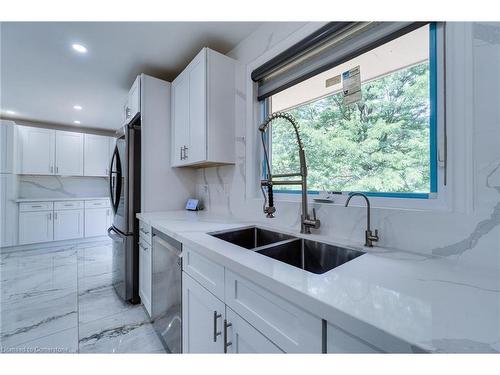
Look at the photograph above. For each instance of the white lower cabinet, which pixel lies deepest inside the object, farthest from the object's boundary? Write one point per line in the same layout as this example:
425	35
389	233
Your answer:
68	224
97	221
145	274
35	226
63	220
203	317
243	338
209	326
243	317
340	341
285	324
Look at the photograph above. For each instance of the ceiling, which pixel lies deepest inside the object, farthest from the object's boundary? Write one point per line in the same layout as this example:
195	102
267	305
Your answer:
42	77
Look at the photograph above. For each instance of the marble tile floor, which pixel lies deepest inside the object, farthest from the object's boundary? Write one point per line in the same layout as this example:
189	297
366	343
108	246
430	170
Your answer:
60	299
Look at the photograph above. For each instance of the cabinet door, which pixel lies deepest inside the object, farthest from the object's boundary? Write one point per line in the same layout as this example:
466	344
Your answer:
197	147
287	325
180	119
8	209
145	275
243	338
37	150
7	146
203	315
340	341
69	153
96	155
133	105
68	224
96	221
35	227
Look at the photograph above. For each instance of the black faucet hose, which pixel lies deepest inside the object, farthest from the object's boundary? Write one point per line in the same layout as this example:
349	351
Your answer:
270	194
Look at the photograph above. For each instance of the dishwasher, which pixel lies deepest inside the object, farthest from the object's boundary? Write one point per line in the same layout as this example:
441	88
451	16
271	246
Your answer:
166	292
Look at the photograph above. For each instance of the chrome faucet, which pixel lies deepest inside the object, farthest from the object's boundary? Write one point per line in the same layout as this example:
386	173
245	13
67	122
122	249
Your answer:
306	222
370	237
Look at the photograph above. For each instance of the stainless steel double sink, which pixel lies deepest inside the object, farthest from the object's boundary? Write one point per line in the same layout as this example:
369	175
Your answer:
312	256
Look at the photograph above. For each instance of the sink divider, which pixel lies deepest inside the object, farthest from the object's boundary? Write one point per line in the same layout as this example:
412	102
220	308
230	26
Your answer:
290	240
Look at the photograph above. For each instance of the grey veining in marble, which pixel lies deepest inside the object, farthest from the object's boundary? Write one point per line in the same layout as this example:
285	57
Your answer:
60	300
61	186
482	228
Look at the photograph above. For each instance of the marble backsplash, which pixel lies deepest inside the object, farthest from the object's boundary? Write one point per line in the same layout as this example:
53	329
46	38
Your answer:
30	186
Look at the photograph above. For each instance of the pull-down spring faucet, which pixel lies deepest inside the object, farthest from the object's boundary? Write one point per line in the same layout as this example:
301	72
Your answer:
306	221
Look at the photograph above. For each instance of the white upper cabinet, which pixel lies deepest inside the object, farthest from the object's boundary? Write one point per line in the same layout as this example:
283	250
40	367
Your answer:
57	152
37	150
96	155
203	98
133	104
8	133
180	118
196	150
69	153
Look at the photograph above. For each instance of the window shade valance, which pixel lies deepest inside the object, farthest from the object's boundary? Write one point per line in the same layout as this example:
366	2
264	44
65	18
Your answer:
331	45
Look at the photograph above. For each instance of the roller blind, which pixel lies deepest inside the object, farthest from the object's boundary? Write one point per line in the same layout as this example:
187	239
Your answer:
329	46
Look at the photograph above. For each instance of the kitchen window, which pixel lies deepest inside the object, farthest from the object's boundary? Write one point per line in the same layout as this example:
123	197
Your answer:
383	142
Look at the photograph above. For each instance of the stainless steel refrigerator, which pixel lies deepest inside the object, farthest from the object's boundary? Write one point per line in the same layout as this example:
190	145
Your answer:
125	194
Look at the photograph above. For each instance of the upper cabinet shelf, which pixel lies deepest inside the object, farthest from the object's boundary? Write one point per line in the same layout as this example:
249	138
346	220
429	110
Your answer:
203	100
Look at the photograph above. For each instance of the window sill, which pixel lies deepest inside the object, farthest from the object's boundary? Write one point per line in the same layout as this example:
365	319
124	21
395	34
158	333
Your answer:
434	202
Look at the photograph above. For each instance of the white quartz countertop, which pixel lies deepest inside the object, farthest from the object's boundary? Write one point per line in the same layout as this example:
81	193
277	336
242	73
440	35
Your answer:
390	296
21	200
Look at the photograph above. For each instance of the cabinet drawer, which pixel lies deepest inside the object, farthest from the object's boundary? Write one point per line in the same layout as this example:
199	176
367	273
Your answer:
36	206
145	231
339	341
68	205
289	327
97	203
207	273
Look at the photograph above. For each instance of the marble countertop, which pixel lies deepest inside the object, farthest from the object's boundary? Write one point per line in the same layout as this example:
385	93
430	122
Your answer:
21	200
430	303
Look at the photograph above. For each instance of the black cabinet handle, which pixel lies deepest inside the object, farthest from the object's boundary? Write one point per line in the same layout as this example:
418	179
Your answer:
226	343
216	316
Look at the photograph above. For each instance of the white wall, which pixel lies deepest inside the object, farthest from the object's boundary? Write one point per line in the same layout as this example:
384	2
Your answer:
465	229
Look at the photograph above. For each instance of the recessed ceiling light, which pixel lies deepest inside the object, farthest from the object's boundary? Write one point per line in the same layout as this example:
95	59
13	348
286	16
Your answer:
76	122
9	112
79	48
77	107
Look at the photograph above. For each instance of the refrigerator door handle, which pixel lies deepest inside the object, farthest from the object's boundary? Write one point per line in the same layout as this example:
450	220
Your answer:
113	235
115	183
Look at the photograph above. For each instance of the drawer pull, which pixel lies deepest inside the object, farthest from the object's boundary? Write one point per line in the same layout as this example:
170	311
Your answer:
36	206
